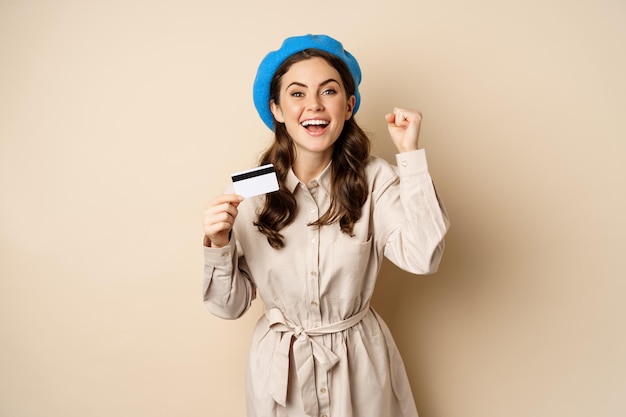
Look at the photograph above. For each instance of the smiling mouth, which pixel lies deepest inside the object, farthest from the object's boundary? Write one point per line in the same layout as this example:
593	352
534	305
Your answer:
314	124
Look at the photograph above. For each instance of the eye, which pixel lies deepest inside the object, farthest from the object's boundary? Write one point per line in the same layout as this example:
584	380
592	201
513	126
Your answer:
329	92
296	94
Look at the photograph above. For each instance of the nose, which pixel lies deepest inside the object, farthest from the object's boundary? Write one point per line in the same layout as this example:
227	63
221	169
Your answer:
315	103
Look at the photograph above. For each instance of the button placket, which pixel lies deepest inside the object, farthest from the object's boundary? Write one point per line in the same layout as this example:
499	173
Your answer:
323	393
313	291
315	317
313	284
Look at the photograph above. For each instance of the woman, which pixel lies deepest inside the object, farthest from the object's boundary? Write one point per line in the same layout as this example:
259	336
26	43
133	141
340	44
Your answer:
313	249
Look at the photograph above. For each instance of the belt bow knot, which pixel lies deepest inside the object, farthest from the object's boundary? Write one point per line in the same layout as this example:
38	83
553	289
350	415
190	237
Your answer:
305	350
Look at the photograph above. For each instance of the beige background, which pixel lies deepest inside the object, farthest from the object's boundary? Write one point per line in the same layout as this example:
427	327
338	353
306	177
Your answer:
119	120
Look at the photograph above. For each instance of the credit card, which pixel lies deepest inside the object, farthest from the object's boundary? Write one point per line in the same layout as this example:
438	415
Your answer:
255	181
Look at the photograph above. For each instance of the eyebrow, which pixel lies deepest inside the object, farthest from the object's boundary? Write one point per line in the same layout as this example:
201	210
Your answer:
299	84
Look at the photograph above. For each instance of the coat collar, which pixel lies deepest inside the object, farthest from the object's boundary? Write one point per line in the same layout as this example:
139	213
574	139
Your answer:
323	180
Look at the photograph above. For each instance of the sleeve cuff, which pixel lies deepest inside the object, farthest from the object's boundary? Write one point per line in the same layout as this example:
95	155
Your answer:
412	163
218	256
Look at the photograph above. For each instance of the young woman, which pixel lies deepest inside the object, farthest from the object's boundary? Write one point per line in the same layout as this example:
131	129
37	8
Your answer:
313	249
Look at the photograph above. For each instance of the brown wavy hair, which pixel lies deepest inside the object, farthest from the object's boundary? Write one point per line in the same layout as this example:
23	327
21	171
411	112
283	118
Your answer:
351	152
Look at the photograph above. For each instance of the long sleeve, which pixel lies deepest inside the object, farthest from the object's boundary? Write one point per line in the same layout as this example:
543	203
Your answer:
227	288
413	220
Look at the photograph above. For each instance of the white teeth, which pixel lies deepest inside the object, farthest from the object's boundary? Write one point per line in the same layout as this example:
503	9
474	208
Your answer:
314	122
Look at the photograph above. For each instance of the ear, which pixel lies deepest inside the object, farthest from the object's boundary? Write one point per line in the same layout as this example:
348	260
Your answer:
277	112
350	106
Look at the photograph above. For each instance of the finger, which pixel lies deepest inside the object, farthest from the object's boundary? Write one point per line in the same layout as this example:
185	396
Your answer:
410	116
233	199
215	229
221	212
401	117
220	216
218	223
221	205
416	116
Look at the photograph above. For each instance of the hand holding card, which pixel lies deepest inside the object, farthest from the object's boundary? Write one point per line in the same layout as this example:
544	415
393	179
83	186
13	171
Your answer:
256	181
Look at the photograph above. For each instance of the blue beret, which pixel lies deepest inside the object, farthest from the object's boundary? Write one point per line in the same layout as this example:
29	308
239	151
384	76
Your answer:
290	46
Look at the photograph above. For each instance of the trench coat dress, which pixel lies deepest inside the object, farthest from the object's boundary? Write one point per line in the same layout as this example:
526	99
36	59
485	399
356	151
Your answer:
320	349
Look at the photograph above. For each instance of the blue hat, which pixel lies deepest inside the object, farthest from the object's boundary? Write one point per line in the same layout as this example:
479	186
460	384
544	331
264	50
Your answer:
290	46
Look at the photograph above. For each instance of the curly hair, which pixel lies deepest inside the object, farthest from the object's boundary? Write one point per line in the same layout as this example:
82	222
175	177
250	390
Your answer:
351	152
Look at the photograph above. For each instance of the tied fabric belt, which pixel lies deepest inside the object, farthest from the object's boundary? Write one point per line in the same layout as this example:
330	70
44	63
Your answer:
305	350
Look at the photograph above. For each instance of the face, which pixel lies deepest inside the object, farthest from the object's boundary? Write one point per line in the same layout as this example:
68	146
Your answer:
314	107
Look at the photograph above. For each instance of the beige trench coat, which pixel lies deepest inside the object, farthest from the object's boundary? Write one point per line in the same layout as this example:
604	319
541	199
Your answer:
320	350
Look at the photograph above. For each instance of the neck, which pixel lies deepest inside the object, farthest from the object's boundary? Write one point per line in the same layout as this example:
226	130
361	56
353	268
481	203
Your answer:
307	169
